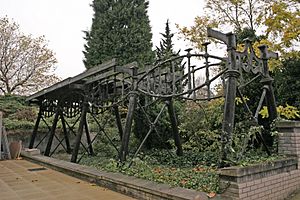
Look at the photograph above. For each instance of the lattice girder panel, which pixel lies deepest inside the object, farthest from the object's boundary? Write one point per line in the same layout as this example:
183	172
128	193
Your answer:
177	77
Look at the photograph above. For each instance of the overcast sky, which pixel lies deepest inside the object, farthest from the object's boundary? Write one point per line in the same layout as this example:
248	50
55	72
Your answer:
62	23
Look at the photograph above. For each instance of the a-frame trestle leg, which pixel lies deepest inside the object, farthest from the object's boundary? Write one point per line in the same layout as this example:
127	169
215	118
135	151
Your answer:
88	138
128	124
174	124
52	133
35	129
66	133
79	132
118	121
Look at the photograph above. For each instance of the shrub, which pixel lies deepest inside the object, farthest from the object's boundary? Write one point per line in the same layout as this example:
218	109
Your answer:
201	124
16	114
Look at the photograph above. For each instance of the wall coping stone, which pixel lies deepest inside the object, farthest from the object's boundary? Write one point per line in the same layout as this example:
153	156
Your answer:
288	124
237	171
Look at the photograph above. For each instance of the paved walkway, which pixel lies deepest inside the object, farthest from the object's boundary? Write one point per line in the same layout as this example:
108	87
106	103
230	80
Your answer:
23	180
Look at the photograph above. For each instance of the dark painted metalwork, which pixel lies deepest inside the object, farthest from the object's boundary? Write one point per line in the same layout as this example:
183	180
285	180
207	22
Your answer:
230	94
152	128
102	130
267	81
118	121
66	133
46	135
35	129
88	138
174	124
129	118
52	133
79	132
109	86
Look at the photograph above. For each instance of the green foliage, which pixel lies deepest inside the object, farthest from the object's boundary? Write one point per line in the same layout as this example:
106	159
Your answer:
11	104
121	30
197	168
194	170
16	114
276	21
163	126
287	81
201	128
165	50
190	158
14	124
244	34
243	140
288	112
201	125
160	167
253	157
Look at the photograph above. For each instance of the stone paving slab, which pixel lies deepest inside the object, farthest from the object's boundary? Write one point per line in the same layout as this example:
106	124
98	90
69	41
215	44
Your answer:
18	183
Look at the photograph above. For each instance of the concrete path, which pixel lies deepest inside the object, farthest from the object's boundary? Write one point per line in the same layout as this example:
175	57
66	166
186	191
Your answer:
23	180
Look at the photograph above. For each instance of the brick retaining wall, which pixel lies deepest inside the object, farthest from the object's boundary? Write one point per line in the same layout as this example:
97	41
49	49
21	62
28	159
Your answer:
276	180
289	138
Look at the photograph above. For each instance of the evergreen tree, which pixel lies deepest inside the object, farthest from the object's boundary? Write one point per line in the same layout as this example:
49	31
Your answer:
165	50
120	30
287	81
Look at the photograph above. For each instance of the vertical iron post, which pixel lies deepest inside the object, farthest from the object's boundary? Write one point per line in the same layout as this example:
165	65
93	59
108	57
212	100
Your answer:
35	129
79	132
52	132
129	117
66	134
267	82
188	55
88	138
174	124
173	72
207	68
118	121
229	107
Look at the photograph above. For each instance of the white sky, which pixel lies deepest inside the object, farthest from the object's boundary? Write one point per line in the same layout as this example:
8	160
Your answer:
62	23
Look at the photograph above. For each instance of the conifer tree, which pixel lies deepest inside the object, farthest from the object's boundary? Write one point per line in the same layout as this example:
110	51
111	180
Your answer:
120	30
165	49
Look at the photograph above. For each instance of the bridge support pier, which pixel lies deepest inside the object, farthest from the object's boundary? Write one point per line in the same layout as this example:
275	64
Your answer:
174	124
79	132
36	127
52	132
127	129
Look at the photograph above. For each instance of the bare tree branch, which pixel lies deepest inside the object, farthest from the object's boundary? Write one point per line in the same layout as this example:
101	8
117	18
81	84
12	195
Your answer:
25	62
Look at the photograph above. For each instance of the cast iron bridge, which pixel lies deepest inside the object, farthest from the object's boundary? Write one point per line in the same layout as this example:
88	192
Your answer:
109	87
